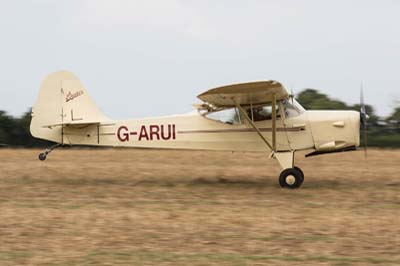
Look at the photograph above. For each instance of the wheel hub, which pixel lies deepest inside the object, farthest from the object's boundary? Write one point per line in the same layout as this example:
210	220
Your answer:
290	180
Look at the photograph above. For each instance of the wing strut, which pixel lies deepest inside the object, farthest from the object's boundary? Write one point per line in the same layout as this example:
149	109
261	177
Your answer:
274	122
271	147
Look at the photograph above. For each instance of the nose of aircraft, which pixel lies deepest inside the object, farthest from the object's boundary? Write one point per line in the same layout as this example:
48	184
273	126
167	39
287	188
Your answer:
335	130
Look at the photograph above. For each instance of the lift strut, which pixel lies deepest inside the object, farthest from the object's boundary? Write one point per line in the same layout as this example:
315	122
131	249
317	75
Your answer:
251	122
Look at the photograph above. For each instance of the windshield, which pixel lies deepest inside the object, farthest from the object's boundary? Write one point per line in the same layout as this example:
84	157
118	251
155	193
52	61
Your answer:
292	108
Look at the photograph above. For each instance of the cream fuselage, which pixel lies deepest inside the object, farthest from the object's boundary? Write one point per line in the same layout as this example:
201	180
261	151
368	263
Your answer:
320	130
65	113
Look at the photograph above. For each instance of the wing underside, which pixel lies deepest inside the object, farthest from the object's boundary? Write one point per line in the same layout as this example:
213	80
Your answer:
253	93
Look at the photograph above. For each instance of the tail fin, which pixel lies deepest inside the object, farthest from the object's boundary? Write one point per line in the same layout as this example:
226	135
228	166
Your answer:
62	100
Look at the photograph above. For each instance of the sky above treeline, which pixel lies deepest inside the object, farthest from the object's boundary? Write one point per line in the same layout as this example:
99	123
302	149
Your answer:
149	58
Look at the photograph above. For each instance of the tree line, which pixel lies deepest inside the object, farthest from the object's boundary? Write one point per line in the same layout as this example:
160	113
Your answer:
14	131
382	131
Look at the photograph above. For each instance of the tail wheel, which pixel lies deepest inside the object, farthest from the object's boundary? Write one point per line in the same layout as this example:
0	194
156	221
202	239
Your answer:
42	156
291	178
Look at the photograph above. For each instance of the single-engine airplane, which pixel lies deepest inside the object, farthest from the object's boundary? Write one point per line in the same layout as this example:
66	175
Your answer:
256	117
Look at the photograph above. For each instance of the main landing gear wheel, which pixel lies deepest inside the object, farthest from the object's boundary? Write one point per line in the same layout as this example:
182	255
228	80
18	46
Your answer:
302	174
291	178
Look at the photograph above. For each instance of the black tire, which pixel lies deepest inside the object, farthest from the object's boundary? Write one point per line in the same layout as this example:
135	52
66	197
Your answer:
302	174
296	174
42	156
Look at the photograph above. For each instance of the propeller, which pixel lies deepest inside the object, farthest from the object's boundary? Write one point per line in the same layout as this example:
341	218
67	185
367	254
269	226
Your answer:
363	118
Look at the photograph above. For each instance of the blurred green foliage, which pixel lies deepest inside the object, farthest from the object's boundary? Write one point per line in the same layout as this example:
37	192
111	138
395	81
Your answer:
382	132
15	132
395	117
313	100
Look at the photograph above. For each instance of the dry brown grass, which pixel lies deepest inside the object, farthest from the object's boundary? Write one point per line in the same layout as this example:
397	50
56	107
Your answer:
138	207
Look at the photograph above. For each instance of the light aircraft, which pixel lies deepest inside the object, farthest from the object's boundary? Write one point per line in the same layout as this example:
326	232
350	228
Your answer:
255	117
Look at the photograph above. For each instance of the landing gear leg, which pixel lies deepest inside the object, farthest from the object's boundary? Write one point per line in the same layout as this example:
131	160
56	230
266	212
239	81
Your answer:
44	154
292	176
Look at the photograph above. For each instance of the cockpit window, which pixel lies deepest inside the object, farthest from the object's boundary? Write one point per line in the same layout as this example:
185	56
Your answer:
233	116
262	113
292	108
227	116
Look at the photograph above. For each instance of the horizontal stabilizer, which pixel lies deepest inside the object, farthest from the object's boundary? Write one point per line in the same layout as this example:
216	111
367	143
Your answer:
74	123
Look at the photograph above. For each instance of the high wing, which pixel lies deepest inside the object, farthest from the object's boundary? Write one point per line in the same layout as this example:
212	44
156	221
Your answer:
245	94
252	93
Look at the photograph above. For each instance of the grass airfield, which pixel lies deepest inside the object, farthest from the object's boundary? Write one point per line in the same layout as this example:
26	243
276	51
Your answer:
150	207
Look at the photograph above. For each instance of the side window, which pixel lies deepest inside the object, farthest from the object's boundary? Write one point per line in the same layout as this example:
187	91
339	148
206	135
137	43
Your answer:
227	116
262	113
